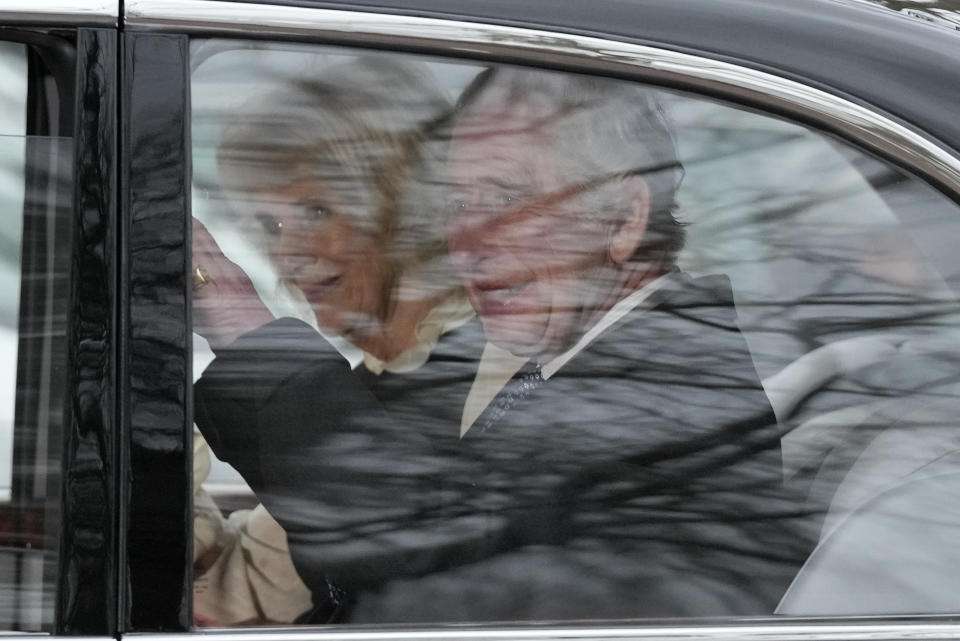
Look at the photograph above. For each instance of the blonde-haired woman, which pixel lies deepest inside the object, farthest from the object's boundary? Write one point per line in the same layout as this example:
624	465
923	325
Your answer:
335	177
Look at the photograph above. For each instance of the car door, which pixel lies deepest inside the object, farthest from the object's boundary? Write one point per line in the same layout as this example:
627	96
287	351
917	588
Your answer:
827	246
809	221
816	323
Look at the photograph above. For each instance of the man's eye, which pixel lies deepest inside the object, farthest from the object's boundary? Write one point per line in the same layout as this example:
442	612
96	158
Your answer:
270	224
508	200
316	212
459	206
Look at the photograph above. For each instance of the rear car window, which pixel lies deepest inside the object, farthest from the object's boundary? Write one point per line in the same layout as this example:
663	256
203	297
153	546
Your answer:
478	342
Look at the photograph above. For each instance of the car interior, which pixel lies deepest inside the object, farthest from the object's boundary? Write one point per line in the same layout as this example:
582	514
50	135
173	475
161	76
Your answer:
844	287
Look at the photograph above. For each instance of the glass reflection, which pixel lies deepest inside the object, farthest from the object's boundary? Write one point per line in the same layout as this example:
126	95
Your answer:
33	338
36	196
611	363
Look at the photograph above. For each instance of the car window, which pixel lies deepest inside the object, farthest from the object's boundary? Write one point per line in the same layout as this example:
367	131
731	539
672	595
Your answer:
14	129
34	273
478	342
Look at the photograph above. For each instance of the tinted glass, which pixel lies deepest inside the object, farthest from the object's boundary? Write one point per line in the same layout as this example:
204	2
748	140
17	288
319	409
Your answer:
35	194
487	343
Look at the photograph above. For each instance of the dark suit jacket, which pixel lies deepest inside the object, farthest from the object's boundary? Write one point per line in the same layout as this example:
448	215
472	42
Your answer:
643	479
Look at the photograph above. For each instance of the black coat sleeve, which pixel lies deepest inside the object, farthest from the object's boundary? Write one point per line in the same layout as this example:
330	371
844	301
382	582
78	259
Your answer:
273	376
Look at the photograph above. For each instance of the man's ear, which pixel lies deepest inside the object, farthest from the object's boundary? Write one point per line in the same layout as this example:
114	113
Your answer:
625	239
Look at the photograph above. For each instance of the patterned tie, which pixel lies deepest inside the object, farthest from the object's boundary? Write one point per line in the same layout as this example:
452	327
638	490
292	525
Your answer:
517	389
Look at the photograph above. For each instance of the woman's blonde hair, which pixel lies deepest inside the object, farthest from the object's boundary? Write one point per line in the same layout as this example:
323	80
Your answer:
359	127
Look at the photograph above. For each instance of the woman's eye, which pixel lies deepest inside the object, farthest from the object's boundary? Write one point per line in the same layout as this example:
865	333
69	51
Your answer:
316	212
508	200
270	224
459	206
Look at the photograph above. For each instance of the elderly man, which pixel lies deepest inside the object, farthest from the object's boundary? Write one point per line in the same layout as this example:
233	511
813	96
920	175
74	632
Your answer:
561	209
619	455
630	468
622	461
563	193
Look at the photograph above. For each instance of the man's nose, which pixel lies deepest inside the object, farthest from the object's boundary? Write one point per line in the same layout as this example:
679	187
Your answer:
472	237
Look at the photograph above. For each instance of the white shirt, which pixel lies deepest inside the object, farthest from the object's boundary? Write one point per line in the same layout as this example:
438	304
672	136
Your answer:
497	365
453	312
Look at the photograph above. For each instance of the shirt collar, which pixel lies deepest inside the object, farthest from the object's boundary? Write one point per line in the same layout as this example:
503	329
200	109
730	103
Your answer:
448	315
618	311
497	365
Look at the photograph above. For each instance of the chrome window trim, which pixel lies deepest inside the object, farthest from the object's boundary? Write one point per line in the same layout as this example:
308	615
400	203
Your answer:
68	13
856	122
13	635
765	631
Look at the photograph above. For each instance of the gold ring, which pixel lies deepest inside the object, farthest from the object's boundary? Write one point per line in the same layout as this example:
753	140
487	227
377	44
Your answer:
200	278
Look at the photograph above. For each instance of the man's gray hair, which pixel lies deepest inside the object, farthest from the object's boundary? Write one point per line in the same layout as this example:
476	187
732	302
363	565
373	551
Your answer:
599	130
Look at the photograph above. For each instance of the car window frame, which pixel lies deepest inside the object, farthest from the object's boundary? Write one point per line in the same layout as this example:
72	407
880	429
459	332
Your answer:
168	24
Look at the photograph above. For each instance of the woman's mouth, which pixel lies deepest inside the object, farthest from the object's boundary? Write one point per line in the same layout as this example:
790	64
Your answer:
319	289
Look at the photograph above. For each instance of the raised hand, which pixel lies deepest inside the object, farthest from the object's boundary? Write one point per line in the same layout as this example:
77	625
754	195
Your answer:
225	303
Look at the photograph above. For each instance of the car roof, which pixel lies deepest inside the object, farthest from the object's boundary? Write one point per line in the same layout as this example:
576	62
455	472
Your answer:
871	54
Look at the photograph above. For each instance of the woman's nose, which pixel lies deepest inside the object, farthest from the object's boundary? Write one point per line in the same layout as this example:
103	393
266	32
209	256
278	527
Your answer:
293	252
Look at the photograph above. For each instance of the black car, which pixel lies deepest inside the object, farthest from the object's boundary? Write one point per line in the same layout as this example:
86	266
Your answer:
503	319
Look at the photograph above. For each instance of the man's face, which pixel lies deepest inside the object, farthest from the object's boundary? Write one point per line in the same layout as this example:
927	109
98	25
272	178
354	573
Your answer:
530	256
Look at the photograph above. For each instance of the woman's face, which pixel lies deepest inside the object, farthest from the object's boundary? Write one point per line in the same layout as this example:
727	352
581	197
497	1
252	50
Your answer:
332	256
